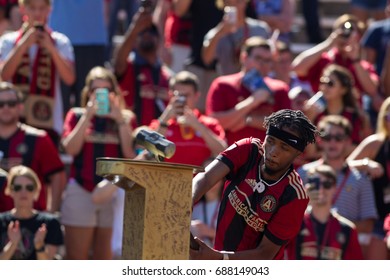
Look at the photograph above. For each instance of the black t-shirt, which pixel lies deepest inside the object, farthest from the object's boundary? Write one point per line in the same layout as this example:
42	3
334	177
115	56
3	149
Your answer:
28	227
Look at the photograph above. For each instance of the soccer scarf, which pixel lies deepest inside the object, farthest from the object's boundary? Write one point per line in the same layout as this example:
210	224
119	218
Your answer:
37	84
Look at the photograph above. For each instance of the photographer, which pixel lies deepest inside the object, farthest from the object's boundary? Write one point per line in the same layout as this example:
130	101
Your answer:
35	59
197	137
342	47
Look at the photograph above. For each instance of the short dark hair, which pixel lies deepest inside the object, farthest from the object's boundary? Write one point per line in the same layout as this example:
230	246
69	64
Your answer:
255	42
185	78
294	120
324	170
335	120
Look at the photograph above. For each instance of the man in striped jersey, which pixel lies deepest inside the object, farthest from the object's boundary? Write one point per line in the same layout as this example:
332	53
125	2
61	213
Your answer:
263	200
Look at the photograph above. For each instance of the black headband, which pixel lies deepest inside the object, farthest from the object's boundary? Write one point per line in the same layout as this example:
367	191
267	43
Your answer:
287	137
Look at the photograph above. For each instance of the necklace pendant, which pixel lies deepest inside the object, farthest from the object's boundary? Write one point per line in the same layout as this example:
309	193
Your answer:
259	187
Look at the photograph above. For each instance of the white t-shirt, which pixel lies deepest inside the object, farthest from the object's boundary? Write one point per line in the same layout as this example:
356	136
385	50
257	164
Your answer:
63	45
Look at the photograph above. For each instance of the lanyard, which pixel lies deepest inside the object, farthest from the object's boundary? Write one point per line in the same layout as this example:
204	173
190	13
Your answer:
341	185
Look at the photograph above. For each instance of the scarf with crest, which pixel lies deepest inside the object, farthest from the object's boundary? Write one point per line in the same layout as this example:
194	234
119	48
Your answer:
39	79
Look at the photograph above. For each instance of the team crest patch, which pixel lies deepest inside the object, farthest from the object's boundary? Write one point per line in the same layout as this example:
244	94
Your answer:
268	203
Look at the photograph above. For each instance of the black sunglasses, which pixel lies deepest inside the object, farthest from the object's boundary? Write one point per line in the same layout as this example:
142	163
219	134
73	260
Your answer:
315	182
9	103
327	81
337	137
18	187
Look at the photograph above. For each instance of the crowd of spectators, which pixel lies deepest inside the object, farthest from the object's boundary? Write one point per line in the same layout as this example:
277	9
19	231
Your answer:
204	74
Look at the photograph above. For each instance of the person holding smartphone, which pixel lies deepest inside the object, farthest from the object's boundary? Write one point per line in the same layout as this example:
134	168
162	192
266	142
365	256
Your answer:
241	101
223	43
101	128
324	234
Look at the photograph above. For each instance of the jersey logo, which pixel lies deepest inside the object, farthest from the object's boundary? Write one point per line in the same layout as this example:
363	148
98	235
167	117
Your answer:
268	203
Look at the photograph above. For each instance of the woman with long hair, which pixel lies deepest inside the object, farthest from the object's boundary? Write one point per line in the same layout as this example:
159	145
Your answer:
377	147
101	128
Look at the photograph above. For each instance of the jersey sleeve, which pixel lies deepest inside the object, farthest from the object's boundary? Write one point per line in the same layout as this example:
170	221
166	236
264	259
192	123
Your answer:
287	221
237	154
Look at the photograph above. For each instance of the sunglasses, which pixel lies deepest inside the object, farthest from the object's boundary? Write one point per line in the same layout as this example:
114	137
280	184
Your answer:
316	183
9	103
327	81
18	188
336	137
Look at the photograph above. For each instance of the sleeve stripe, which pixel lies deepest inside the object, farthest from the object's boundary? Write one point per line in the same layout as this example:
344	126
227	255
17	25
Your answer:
296	183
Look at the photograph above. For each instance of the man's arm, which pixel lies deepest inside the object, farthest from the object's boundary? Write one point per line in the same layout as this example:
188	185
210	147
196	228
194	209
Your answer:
64	67
204	181
141	20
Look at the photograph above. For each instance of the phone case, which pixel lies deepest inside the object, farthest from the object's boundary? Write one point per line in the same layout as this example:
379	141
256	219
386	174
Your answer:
102	101
254	81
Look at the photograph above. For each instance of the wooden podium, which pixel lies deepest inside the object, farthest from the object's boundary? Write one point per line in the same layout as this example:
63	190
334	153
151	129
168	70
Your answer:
157	210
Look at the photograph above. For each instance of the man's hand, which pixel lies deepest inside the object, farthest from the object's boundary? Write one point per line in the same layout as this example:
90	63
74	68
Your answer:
204	252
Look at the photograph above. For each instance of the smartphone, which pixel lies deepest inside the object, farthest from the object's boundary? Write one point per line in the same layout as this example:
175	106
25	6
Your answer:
231	14
103	102
253	81
319	100
39	26
347	29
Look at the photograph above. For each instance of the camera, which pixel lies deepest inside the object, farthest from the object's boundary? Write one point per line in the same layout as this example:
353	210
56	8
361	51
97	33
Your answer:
347	29
39	26
231	14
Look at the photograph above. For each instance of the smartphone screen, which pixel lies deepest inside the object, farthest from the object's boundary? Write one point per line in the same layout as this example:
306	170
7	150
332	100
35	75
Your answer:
102	101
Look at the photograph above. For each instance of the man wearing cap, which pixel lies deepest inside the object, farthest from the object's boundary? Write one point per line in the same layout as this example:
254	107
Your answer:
263	199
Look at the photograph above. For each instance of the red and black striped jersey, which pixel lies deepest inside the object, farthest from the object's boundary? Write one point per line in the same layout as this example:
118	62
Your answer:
246	214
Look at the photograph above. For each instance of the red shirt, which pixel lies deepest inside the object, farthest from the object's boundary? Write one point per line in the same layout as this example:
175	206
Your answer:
315	72
34	148
339	240
190	146
101	140
226	91
145	96
177	29
247	215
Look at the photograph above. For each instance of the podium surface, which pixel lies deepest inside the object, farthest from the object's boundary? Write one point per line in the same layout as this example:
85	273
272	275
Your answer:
158	205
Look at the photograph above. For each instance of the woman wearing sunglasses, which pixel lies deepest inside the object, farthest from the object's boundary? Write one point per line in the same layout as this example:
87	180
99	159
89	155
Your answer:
337	88
25	233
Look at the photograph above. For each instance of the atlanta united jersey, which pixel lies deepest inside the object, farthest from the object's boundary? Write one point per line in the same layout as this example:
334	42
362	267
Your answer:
336	239
248	212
